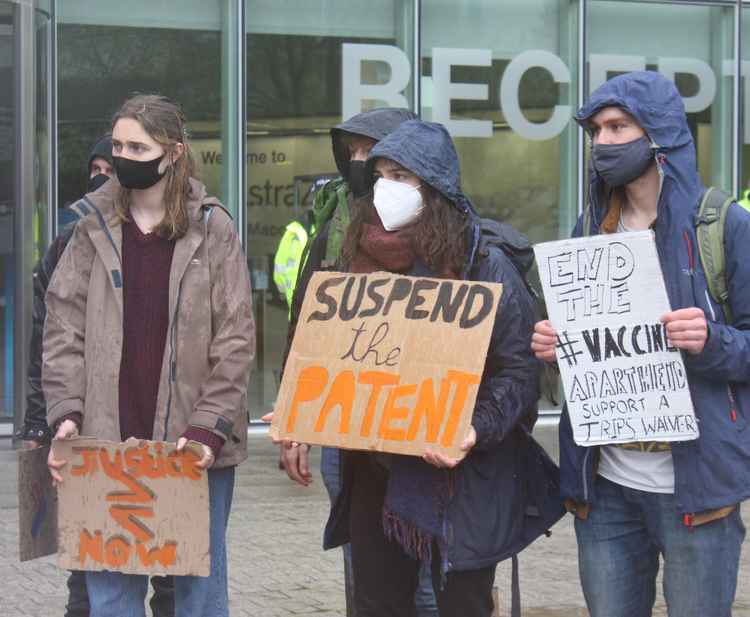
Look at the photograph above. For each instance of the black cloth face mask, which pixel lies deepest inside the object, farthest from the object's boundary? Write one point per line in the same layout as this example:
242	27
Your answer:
620	164
138	174
357	181
96	182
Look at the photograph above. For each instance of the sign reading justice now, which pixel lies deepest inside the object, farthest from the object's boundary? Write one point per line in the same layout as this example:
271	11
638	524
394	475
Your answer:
139	507
386	362
623	380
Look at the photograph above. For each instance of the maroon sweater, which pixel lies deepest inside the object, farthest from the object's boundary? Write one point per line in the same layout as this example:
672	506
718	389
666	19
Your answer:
146	264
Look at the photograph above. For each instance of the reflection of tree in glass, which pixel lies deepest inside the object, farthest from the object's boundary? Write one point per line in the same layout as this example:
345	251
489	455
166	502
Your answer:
295	76
100	66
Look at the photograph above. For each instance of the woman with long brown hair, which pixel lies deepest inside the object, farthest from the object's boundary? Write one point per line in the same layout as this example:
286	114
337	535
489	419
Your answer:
459	518
149	331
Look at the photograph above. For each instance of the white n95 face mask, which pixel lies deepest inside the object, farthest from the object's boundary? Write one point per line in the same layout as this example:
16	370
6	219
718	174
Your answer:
397	204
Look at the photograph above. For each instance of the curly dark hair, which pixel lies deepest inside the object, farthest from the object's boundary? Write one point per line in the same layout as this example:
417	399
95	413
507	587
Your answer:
439	235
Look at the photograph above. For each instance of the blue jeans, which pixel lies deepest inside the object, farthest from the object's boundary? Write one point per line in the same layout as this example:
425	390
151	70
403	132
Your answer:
330	469
618	556
113	594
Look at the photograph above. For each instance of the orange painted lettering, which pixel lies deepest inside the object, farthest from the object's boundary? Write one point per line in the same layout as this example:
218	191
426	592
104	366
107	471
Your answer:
392	412
166	555
311	382
140	462
376	379
126	517
463	382
341	394
89	465
189	470
431	410
139	492
117	552
90	546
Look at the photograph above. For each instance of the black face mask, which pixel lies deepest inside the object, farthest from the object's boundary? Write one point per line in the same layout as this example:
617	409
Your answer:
96	182
620	164
357	181
137	174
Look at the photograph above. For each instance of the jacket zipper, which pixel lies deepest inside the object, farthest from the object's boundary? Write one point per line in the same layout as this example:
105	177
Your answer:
172	361
732	405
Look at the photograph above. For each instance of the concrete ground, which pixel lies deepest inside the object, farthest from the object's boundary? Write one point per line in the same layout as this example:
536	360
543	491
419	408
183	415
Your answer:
276	565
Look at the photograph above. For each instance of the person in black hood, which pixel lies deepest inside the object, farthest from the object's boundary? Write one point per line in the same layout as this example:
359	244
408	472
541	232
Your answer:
98	171
100	163
458	517
351	142
35	432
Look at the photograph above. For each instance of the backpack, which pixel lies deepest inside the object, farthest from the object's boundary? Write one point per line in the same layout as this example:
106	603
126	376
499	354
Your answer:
518	249
709	230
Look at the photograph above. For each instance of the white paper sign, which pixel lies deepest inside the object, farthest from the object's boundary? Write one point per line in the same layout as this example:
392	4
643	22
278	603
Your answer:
623	380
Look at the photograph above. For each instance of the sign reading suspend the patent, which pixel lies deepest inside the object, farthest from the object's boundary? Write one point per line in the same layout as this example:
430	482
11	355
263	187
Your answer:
623	380
386	362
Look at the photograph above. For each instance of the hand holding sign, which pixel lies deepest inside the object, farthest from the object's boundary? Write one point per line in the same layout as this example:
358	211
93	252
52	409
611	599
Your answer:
446	462
67	430
544	341
687	329
207	455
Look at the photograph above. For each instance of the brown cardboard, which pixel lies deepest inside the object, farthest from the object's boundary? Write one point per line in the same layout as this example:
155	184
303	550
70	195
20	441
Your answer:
378	358
138	507
37	506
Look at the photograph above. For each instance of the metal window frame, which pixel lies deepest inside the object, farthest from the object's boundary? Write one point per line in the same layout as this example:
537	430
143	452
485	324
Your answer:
239	90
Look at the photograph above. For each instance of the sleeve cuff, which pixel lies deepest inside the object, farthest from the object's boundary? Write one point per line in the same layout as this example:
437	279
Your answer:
205	437
75	416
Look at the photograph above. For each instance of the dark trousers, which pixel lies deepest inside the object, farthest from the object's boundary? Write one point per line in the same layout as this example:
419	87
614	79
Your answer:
162	602
385	577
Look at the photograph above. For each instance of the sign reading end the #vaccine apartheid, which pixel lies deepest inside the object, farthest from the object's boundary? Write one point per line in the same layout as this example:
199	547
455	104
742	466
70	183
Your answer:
386	362
623	380
139	507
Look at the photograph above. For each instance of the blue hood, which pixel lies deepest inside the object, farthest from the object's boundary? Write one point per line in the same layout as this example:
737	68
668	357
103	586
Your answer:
657	106
426	149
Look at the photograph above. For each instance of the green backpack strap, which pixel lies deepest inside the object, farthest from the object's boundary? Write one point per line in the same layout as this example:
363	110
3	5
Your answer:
709	229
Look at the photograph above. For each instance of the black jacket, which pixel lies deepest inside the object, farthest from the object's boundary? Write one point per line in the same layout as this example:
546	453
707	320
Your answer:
35	421
35	426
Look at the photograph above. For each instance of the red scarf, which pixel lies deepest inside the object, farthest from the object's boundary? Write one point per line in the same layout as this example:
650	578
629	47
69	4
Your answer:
378	249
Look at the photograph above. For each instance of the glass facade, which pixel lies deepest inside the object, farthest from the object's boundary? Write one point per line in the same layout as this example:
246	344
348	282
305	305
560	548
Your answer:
263	81
26	178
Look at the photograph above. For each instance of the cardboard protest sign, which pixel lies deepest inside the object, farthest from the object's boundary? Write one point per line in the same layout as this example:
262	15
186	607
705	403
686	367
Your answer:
623	380
386	362
37	506
138	507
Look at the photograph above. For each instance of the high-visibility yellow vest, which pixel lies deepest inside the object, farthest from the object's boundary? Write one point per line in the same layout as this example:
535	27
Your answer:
745	201
287	260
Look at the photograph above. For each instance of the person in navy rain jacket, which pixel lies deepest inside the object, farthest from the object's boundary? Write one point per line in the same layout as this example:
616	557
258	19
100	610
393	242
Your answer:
680	500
